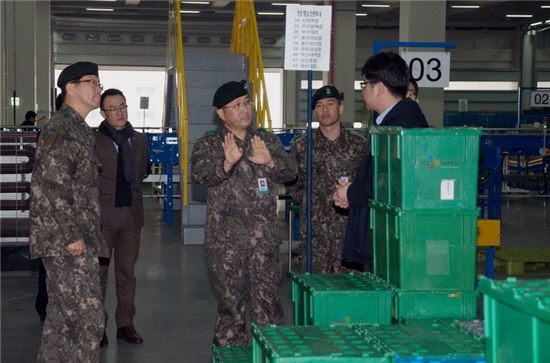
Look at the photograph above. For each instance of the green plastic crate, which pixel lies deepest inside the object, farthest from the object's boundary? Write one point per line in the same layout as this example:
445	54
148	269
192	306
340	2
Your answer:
517	319
312	344
427	343
232	354
435	304
424	250
323	299
425	168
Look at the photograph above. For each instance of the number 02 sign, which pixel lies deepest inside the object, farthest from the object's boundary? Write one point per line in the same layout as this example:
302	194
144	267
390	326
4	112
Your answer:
540	98
429	69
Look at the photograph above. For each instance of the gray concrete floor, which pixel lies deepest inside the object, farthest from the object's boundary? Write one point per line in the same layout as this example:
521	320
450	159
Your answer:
176	307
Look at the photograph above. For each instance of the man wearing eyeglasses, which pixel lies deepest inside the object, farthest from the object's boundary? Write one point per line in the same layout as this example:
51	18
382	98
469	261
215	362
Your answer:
240	166
65	225
337	153
384	89
123	164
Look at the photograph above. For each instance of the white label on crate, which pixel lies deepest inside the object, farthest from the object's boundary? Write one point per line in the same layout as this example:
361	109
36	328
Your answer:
447	189
170	140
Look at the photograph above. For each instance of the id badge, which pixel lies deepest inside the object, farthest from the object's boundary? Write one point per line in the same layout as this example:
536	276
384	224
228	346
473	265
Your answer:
262	186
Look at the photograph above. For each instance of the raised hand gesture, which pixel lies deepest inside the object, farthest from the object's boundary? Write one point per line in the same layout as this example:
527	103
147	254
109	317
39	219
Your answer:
260	153
232	152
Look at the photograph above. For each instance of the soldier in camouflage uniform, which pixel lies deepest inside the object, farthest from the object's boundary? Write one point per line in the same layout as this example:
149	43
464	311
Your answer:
240	166
65	224
337	154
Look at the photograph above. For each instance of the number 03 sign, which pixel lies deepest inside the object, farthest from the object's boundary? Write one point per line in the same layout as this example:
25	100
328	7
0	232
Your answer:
429	69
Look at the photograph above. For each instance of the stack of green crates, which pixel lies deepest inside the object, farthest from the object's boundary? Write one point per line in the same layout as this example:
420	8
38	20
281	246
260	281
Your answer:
232	354
323	299
424	218
426	343
314	344
517	320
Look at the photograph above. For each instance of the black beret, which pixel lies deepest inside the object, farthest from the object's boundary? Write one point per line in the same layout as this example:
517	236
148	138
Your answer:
326	92
76	71
228	92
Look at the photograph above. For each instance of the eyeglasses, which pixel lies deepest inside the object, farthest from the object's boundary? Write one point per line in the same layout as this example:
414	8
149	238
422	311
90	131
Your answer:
363	84
237	106
120	109
92	81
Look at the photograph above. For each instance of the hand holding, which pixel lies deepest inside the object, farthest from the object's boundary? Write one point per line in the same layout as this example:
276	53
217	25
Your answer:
340	196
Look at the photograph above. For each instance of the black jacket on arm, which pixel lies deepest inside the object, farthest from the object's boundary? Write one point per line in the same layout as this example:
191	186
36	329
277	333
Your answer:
357	247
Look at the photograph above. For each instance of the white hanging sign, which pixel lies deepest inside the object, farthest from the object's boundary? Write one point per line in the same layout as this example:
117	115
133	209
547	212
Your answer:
429	69
307	37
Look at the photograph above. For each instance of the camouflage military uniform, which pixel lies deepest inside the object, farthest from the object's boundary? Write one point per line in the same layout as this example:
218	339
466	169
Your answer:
241	244
331	161
65	209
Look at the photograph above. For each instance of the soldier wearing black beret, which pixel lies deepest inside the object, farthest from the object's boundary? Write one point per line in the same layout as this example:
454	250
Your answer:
240	165
65	222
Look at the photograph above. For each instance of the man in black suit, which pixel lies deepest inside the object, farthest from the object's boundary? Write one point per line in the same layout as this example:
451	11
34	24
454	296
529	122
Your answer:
384	87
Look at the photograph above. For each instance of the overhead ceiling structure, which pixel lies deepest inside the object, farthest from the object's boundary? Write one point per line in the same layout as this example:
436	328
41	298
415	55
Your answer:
370	13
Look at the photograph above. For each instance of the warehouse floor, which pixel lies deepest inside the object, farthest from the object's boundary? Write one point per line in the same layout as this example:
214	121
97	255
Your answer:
176	307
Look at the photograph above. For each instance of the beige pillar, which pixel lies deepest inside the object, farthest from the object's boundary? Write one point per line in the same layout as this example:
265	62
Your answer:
343	50
424	21
26	40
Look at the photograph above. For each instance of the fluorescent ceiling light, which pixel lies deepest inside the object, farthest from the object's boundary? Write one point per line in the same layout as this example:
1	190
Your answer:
361	14
545	6
375	5
100	9
465	6
196	2
189	12
519	15
280	4
535	24
270	13
547	22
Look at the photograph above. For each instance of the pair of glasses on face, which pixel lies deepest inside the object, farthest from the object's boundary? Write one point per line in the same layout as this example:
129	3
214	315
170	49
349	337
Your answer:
363	84
94	82
120	109
237	106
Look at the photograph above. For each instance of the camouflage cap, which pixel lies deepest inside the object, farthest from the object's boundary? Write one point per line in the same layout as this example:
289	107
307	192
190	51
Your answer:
76	71
326	92
228	92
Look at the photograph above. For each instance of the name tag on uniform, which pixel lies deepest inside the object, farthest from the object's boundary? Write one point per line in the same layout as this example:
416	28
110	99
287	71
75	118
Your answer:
262	186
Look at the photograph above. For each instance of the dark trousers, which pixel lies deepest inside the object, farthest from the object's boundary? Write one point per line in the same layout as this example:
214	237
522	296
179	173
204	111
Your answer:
42	295
124	244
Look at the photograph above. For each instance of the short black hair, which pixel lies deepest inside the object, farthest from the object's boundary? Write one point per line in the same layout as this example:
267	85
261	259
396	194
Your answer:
390	69
415	85
110	92
58	101
29	115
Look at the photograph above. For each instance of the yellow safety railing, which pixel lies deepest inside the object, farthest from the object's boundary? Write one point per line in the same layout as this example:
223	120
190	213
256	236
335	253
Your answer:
175	45
245	39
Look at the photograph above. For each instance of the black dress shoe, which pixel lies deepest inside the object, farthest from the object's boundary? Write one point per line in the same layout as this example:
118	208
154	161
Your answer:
129	334
104	340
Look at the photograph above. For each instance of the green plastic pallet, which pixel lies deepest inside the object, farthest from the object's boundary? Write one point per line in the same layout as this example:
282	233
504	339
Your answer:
426	343
232	354
425	168
312	344
435	304
424	250
517	319
323	299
